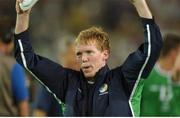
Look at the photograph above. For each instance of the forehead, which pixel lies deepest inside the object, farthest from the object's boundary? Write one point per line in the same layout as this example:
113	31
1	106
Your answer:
85	47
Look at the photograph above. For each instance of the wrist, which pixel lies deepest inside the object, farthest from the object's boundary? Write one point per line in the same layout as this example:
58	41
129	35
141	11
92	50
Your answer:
22	23
23	15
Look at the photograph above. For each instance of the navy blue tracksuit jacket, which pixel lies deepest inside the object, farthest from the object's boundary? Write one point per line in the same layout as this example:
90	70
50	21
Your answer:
116	92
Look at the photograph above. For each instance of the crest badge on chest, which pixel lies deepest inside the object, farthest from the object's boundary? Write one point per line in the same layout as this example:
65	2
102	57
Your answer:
103	88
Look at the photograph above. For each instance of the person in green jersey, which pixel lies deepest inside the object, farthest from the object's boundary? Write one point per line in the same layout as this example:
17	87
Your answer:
161	93
176	87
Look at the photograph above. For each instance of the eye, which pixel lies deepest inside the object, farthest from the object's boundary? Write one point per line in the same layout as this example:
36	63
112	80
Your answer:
78	54
89	52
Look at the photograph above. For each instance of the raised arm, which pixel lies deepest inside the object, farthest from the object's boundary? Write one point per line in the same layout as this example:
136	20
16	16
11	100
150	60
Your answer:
50	74
139	64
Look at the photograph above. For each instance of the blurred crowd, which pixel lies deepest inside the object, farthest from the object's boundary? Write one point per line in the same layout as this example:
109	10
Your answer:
54	25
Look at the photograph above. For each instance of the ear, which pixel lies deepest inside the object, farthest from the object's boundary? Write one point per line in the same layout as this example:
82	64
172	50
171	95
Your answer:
105	55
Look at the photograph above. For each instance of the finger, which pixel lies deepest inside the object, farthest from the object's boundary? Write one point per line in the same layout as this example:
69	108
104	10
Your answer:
18	9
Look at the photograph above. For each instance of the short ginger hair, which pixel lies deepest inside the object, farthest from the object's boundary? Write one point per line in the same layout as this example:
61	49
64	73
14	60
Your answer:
96	36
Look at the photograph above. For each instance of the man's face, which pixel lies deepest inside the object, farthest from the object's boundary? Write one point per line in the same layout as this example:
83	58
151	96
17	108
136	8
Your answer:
90	59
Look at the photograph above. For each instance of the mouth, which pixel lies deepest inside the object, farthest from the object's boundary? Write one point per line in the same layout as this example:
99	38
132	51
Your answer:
86	68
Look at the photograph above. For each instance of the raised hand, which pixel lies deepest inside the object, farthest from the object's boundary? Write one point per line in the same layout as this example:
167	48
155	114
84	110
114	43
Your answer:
22	20
19	11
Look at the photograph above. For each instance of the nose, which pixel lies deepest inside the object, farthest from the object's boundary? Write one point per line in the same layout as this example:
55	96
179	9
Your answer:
84	58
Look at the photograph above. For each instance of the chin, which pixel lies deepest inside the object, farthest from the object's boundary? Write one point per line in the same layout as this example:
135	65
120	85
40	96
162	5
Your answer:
89	75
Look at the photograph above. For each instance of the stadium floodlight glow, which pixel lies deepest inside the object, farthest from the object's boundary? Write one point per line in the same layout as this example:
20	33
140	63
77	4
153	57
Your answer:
27	4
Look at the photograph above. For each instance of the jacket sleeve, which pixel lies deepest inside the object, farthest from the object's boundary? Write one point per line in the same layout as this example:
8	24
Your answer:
50	74
140	63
